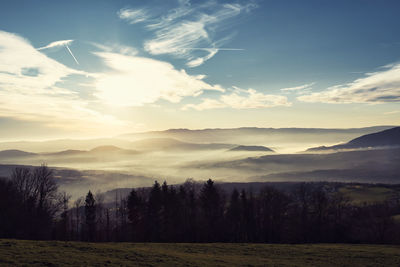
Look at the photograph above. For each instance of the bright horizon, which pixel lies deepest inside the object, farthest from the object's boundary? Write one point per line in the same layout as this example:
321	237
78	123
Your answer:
134	66
69	137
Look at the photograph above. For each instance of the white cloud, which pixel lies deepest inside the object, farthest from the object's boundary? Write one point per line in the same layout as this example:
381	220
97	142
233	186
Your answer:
134	81
241	99
200	60
116	48
28	89
298	88
60	43
187	27
25	69
207	103
392	112
133	16
31	86
376	87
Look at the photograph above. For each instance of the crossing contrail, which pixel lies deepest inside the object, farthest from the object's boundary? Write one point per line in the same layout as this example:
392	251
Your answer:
69	50
213	48
64	43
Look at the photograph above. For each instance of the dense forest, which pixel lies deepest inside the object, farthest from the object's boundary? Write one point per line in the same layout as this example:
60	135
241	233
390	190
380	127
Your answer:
31	207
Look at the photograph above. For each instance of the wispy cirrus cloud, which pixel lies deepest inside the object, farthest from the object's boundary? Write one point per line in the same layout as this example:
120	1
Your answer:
376	87
116	48
298	88
133	16
241	99
135	81
183	9
184	30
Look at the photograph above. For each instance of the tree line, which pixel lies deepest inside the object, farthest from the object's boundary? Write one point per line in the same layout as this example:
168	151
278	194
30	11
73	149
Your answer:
31	207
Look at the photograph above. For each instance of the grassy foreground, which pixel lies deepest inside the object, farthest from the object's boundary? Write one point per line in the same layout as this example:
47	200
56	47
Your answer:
58	253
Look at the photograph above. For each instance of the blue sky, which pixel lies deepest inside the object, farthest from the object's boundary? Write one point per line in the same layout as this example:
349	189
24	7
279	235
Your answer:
151	65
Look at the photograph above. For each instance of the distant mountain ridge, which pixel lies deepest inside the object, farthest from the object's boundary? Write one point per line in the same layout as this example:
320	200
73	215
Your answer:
251	148
386	138
200	139
15	153
262	129
106	149
258	136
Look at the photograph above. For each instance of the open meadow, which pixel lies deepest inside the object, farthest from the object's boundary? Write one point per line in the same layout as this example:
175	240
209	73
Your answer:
59	253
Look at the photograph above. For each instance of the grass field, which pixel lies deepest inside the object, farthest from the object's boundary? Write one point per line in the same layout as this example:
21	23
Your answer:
58	253
359	194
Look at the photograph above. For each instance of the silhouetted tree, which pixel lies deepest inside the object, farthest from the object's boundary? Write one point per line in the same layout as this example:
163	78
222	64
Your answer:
32	208
64	222
234	218
12	213
108	226
23	182
319	214
212	212
90	216
249	229
339	210
170	213
273	210
78	221
301	213
153	214
40	198
135	214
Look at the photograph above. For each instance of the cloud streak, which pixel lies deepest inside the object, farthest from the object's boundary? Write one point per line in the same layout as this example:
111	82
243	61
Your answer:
392	112
298	88
185	29
241	99
376	87
133	16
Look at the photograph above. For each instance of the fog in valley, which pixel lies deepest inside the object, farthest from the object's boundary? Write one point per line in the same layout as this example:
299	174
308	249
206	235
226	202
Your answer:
225	155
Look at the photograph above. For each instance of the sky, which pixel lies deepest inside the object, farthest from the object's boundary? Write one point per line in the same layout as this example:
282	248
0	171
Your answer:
85	69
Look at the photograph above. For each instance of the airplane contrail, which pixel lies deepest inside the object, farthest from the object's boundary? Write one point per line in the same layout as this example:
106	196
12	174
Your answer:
213	48
58	44
69	50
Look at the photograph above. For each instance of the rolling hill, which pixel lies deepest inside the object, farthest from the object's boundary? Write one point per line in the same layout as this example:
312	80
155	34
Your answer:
172	144
13	153
255	135
386	138
379	165
251	148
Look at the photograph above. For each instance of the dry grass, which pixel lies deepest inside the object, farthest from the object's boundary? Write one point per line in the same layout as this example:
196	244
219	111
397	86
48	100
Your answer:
58	253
